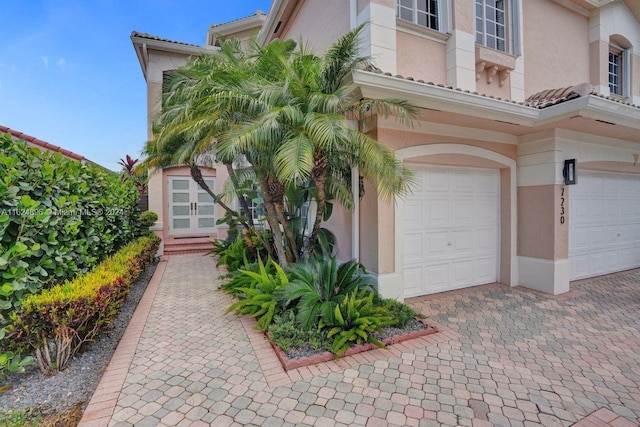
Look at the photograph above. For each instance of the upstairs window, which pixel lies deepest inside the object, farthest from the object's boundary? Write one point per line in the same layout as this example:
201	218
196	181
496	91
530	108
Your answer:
619	66
615	72
491	24
425	13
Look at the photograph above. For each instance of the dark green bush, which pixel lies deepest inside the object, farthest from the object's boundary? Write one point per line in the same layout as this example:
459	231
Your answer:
56	322
401	312
147	219
286	334
58	218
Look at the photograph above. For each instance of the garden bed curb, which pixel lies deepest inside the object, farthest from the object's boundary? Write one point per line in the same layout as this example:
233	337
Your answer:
289	364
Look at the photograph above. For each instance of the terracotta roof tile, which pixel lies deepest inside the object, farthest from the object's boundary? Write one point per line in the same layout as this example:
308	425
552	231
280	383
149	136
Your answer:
161	39
542	99
549	97
43	144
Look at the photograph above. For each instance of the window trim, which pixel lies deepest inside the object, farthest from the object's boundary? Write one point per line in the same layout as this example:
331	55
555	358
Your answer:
624	70
512	25
443	15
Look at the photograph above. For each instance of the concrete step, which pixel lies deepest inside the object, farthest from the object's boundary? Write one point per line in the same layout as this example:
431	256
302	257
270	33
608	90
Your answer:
188	246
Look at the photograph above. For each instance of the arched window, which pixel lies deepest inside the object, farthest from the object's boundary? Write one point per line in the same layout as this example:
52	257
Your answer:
619	66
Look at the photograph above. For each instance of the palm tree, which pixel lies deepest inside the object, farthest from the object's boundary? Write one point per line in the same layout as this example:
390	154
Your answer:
307	117
203	101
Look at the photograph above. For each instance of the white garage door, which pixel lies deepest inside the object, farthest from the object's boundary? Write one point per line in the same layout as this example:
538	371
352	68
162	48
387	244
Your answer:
450	230
604	224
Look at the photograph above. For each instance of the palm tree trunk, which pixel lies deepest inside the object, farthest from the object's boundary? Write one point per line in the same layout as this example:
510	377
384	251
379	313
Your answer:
196	174
272	219
243	202
319	177
291	240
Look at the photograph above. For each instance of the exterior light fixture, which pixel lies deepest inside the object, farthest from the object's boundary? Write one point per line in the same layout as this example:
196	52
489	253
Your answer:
570	172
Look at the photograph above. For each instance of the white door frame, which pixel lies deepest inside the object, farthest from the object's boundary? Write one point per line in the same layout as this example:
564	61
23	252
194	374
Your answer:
194	192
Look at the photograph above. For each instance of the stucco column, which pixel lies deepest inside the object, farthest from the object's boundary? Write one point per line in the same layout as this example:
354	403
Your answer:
461	53
379	35
543	213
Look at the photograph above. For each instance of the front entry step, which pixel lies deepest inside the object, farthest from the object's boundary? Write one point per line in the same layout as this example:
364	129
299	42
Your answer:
188	245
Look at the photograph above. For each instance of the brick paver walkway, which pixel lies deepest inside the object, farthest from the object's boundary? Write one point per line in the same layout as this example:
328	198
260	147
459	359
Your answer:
507	357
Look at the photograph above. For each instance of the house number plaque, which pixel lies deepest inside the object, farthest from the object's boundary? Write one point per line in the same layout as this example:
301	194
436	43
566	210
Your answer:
562	200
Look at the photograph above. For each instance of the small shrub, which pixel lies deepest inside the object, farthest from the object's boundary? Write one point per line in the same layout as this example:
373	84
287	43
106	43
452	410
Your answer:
402	313
232	254
286	334
58	321
147	219
318	285
354	320
261	300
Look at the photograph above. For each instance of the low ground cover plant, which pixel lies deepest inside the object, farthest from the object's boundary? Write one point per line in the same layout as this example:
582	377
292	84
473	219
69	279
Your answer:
57	322
320	304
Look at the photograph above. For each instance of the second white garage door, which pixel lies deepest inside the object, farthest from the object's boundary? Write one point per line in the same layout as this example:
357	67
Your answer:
450	230
604	224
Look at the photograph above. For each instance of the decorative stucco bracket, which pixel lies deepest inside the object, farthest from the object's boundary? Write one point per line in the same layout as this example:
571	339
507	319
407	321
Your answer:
494	63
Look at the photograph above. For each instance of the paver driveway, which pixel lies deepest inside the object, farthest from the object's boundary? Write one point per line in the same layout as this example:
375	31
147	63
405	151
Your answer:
520	358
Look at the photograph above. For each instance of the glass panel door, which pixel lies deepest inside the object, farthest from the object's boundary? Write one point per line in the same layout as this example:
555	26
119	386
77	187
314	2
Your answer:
191	209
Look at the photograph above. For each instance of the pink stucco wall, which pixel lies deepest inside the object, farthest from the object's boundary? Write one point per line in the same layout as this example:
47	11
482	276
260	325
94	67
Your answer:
558	58
318	23
421	58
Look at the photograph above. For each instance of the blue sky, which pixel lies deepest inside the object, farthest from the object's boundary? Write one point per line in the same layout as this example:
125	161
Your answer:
69	74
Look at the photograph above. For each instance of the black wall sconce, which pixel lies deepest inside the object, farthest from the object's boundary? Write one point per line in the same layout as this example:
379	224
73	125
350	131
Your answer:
570	172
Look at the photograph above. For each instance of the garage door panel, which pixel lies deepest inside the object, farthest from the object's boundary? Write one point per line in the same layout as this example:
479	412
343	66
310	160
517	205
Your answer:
413	215
413	249
437	213
484	211
462	212
458	232
436	245
412	281
463	182
485	241
461	243
485	270
436	181
462	273
604	224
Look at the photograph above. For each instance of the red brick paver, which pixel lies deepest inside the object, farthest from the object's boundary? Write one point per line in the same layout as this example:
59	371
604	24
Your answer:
505	357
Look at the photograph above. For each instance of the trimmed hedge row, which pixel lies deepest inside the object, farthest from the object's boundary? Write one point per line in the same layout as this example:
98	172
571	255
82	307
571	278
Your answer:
58	321
58	219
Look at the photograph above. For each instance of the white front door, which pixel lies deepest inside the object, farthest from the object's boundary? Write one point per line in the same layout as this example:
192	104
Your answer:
191	209
451	229
604	224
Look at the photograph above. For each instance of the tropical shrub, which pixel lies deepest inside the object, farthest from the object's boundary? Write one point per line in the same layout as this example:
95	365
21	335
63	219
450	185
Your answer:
318	285
147	219
354	321
58	218
402	313
58	321
244	250
261	300
286	334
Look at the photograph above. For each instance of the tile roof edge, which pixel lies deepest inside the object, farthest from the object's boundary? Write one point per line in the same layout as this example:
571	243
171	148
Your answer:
43	144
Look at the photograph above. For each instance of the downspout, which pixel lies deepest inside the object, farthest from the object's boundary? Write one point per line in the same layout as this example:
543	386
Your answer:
355	175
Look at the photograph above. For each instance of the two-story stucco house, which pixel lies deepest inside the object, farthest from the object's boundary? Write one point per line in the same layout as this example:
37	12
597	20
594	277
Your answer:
512	93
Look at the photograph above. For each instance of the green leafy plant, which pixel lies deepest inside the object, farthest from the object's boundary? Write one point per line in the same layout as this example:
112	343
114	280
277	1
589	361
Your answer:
318	285
58	218
401	312
19	419
354	321
286	334
232	255
11	362
56	322
261	301
147	219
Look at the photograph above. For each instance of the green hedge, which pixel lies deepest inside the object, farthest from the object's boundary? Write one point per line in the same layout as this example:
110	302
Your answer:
56	322
58	219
